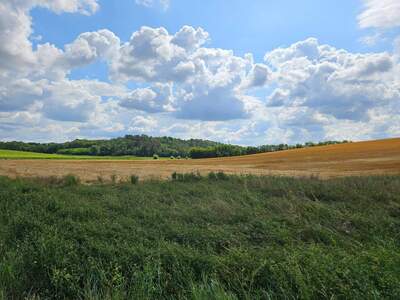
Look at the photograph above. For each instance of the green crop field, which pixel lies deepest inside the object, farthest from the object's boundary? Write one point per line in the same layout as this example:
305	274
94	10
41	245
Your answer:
193	237
10	154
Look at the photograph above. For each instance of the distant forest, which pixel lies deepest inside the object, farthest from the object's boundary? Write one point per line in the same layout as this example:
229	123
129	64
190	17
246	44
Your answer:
146	146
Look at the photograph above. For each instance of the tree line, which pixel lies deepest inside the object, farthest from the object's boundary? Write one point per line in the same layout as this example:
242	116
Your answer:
131	145
146	146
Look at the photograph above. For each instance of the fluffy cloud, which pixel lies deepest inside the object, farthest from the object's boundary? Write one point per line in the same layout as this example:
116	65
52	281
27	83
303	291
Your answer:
332	81
307	91
190	38
16	52
380	14
86	7
159	98
18	95
141	124
204	81
258	76
89	46
69	101
153	55
15	48
164	4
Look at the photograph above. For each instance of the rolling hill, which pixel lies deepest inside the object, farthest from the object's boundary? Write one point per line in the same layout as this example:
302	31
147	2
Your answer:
361	158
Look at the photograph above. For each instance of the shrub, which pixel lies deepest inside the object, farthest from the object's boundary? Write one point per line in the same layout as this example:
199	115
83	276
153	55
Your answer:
70	180
113	178
222	176
218	176
212	176
172	157
155	156
187	177
134	179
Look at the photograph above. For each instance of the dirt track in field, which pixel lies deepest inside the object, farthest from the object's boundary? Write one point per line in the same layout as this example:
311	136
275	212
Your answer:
362	158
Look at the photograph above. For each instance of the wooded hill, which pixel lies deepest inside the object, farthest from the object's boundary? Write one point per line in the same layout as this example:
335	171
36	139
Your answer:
147	146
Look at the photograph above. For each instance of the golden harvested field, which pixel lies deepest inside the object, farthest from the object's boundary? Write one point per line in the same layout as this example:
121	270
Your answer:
361	158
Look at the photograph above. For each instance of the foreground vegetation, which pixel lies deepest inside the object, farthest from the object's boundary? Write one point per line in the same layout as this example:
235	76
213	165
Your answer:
193	237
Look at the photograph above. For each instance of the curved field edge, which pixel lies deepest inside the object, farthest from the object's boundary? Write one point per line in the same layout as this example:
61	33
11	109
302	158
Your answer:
215	237
361	158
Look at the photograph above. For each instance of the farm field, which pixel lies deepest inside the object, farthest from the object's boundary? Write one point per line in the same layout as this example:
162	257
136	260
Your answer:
361	158
11	154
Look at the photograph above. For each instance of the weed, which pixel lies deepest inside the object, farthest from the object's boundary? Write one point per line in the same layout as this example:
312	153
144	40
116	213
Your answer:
134	179
186	177
218	176
70	180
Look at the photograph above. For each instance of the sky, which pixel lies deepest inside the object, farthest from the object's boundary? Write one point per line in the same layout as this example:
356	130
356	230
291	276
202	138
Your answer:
243	72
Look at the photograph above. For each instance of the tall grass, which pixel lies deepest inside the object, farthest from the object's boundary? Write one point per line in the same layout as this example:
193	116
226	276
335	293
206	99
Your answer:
214	237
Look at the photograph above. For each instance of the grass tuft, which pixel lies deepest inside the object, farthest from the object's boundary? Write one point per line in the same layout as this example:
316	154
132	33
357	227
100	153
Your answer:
186	177
134	179
70	180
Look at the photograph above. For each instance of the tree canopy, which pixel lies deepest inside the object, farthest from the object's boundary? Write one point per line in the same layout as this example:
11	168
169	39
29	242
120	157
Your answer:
147	146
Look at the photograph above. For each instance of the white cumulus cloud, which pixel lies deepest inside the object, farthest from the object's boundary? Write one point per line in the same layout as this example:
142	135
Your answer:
380	14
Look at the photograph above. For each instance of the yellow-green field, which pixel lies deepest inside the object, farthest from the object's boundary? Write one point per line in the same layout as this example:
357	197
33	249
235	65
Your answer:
352	159
10	154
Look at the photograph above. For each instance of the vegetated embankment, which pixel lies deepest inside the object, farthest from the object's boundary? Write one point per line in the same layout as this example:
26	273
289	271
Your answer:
361	158
215	237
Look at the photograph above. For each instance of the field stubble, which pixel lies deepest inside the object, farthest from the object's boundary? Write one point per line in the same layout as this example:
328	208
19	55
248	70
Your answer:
361	158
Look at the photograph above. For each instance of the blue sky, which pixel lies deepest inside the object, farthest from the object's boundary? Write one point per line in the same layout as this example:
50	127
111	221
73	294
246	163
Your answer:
255	27
247	73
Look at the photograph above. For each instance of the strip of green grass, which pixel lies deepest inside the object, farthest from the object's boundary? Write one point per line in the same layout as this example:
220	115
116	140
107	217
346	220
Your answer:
10	154
220	237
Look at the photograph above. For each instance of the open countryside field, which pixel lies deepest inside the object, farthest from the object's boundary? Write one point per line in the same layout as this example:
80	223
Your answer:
11	154
361	158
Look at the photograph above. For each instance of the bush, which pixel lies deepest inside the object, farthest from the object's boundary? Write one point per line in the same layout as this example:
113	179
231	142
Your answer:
134	179
70	180
218	176
212	176
187	177
113	178
172	157
222	176
155	156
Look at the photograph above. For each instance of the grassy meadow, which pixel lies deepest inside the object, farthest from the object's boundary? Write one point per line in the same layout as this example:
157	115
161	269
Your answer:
11	154
215	237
